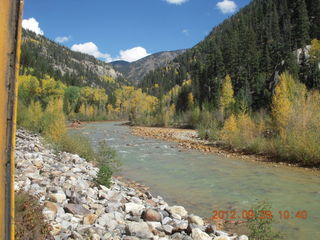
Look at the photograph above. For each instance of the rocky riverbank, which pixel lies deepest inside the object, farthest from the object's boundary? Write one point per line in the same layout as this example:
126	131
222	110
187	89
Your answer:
188	139
77	208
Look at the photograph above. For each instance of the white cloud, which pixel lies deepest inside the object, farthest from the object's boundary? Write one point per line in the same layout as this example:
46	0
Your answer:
133	54
91	49
33	25
186	32
129	55
227	6
63	39
177	2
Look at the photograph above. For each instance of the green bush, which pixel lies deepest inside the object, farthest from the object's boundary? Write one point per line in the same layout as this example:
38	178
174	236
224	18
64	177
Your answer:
260	225
104	176
208	126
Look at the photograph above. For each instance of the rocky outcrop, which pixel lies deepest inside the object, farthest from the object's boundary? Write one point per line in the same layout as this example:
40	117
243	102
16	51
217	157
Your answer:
77	208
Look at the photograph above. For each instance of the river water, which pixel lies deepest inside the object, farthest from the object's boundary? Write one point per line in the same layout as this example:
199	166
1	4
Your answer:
206	182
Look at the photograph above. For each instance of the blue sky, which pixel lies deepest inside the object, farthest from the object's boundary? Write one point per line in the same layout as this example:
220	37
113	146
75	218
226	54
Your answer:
127	29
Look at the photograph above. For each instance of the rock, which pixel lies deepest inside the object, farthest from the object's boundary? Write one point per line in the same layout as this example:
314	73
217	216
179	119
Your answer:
177	236
197	234
139	229
168	229
95	237
151	215
155	225
176	216
243	237
222	238
196	220
76	235
58	197
56	229
48	214
89	219
180	225
51	206
108	220
178	210
166	220
210	229
164	213
76	209
187	238
130	238
134	209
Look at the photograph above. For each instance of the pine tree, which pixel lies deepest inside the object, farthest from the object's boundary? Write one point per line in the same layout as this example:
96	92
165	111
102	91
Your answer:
302	24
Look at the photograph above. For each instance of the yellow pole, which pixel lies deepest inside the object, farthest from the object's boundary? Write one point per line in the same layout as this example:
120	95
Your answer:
10	37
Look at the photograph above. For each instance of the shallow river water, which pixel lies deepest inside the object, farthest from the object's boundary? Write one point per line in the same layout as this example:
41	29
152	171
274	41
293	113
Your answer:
206	182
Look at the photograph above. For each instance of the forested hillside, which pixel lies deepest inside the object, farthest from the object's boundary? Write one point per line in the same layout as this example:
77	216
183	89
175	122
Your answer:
40	56
253	47
136	71
57	84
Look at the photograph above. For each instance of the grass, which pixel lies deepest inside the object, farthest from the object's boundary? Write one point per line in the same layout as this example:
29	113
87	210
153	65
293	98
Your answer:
30	223
104	157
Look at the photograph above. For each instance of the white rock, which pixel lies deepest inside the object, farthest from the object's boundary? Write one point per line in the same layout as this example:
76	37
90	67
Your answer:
197	234
58	197
196	220
222	238
139	229
134	209
95	237
155	225
243	237
179	210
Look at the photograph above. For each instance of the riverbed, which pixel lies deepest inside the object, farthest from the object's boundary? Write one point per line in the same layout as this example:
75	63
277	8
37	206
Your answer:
206	182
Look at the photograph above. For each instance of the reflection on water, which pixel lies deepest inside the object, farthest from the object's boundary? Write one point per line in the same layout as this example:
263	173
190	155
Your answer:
206	182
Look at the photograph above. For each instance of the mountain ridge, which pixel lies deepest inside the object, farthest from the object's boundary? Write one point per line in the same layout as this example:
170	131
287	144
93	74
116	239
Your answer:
135	71
41	56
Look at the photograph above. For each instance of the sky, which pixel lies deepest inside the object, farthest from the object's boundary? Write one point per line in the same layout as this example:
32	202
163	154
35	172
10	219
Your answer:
126	29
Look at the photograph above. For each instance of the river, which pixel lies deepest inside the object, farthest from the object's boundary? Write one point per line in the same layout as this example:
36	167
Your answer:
206	182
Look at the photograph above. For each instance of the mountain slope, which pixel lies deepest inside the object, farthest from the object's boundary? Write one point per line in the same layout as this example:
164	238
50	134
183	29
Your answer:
136	71
40	56
252	46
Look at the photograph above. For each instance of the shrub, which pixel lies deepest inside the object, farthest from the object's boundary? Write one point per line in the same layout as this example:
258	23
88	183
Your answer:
53	121
30	117
105	158
77	144
229	130
104	176
260	225
30	223
208	126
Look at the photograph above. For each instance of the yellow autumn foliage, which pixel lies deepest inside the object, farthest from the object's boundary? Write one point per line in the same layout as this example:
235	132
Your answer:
281	104
190	100
229	129
53	122
227	95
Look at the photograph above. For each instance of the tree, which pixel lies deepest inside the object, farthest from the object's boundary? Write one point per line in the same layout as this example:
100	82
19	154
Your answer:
281	105
302	24
226	98
229	129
